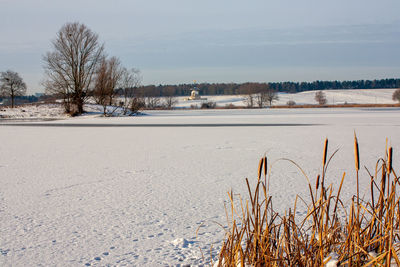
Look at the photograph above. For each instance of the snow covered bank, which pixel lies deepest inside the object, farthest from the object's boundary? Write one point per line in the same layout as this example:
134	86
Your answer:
334	97
33	111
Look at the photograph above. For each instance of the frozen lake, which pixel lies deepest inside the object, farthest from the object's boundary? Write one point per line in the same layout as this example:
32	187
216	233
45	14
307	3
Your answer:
134	191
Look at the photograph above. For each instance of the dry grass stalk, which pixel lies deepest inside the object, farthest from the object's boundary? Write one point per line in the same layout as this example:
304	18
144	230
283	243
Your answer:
365	235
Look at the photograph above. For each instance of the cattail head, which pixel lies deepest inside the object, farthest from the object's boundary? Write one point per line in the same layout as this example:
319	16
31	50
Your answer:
389	163
260	166
265	166
325	152
356	153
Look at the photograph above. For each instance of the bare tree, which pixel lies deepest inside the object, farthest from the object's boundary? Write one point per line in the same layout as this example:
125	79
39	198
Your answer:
249	100
11	85
320	97
108	78
130	80
153	102
396	95
170	98
247	90
71	65
263	94
271	96
100	93
261	99
115	72
152	97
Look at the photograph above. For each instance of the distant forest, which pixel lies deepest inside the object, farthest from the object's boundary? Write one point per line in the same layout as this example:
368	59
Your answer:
245	88
20	99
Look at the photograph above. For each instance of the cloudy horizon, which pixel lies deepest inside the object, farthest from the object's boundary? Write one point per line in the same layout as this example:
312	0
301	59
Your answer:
230	41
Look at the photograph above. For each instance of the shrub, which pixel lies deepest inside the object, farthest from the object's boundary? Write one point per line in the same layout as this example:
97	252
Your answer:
291	103
396	95
207	105
137	104
320	97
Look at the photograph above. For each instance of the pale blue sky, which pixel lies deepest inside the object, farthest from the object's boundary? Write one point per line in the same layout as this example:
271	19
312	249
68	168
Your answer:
177	41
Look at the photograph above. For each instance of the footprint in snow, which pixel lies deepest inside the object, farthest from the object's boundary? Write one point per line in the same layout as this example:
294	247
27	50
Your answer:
182	243
4	252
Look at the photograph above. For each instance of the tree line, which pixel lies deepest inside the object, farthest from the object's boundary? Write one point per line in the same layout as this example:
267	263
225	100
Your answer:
245	88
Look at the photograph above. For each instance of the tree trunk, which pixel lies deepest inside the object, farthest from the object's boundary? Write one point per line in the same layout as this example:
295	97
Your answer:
105	110
80	106
12	99
67	105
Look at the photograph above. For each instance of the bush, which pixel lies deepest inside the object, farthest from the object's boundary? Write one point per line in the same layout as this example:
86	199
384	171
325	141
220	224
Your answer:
207	105
320	97
396	95
291	103
137	104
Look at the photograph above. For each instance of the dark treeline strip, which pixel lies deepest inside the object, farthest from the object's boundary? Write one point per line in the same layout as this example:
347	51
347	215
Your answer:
245	88
19	99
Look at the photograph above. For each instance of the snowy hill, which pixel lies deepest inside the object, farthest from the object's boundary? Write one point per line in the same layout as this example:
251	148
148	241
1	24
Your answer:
334	97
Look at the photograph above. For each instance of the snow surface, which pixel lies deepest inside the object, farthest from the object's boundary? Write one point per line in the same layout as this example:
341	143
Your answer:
334	97
33	111
150	190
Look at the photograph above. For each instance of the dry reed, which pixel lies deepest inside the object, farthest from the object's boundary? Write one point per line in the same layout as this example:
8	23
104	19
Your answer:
365	234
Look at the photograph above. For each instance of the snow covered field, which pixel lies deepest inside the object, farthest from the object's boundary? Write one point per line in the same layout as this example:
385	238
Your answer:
367	96
150	190
334	97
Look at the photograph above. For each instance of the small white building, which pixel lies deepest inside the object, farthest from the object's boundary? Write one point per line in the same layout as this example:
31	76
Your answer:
195	95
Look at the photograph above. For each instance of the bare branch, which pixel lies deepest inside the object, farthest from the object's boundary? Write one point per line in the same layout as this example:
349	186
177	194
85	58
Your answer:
71	66
11	85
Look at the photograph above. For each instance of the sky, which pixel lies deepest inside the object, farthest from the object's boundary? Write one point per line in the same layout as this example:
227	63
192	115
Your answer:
178	41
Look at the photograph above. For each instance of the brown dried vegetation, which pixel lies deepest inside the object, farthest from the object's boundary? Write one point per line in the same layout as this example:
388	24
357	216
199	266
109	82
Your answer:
366	233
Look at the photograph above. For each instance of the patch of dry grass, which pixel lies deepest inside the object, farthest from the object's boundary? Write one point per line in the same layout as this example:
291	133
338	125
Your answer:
366	233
